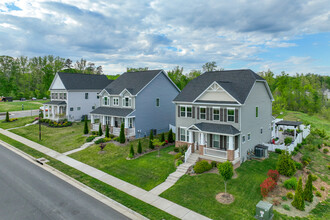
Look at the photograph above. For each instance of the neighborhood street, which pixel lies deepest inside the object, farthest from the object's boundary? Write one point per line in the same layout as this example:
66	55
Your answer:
29	192
20	114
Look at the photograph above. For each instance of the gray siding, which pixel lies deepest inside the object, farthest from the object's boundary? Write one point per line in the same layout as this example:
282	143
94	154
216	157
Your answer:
77	99
251	124
147	115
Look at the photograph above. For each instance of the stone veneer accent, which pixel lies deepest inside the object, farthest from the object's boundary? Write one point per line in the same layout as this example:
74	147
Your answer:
201	149
180	143
230	155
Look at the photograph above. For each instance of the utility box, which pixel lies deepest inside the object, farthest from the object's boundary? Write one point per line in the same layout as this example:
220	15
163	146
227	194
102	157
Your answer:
264	211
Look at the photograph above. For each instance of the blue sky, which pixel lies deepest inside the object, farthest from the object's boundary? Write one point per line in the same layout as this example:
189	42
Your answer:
288	35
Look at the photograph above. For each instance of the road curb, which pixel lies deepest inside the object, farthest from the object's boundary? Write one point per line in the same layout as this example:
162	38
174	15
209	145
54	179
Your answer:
86	189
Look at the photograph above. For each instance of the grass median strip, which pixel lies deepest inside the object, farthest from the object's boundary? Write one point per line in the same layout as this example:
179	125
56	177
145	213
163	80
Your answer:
143	208
17	106
18	123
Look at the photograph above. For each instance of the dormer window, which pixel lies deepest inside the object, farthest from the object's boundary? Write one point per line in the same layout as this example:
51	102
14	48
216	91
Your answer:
106	101
127	102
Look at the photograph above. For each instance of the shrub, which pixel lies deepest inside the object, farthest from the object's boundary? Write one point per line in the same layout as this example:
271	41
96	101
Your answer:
90	138
213	164
296	149
151	137
116	139
318	194
304	141
94	133
298	199
107	139
107	132
111	136
170	136
308	191
314	177
298	165
102	146
178	155
131	151
289	195
100	130
178	163
310	147
101	140
273	174
86	126
322	188
299	146
314	188
319	146
284	198
183	149
122	134
162	137
328	167
290	183
276	202
202	166
7	117
285	165
286	207
176	149
288	140
294	153
325	150
266	186
305	160
278	151
139	149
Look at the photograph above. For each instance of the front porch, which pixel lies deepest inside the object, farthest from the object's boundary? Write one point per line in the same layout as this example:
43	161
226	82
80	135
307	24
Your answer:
210	143
54	110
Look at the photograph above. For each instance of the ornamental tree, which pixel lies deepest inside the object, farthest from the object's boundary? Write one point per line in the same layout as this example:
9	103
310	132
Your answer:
139	149
107	132
100	130
285	165
151	137
122	134
226	171
273	174
298	199
170	136
131	151
267	185
162	137
7	116
86	126
308	191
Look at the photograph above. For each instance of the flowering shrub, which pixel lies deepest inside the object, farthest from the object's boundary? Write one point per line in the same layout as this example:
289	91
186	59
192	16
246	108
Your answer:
273	174
166	141
267	185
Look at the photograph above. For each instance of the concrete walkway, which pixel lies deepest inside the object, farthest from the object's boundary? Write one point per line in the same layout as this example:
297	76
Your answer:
175	176
84	146
141	194
33	123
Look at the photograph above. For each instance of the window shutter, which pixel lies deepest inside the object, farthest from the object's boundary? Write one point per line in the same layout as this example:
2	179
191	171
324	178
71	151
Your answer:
178	111
236	115
211	141
207	113
221	114
193	112
221	142
225	115
211	114
179	138
197	112
225	141
236	142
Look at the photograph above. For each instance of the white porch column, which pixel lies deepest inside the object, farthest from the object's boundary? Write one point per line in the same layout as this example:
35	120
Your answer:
112	121
57	110
190	137
53	113
274	130
277	129
48	111
44	111
126	122
103	120
92	119
202	139
231	143
295	133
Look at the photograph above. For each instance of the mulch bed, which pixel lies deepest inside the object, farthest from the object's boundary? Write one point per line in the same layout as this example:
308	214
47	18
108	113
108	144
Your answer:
225	198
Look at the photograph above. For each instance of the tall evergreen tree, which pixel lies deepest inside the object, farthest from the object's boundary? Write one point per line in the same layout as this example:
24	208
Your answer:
139	150
170	136
86	126
162	137
122	134
298	199
308	191
285	165
7	116
151	137
107	132
100	130
131	151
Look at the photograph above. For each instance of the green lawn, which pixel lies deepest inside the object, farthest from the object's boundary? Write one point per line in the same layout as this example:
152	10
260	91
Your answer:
198	192
143	208
58	139
17	106
20	122
146	172
314	120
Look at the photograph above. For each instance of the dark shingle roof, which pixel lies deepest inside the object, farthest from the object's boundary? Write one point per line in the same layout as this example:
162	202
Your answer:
84	81
55	103
289	123
132	81
121	112
217	128
237	83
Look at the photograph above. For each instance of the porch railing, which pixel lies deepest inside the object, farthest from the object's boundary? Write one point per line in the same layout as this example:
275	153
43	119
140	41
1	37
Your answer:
236	153
116	131
131	132
95	126
187	154
215	153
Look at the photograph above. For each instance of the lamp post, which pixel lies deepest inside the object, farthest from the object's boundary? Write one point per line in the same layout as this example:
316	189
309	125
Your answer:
39	125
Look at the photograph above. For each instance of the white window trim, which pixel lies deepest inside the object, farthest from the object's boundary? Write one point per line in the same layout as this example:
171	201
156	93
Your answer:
200	112
213	140
108	101
249	135
186	133
186	111
113	101
218	108
129	102
228	114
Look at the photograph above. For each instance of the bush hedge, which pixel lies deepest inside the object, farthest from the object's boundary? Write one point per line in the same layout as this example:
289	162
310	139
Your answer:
267	185
90	138
289	195
290	183
202	166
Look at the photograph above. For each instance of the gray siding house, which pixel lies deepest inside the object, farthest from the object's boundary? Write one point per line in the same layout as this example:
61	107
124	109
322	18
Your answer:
73	95
222	115
140	100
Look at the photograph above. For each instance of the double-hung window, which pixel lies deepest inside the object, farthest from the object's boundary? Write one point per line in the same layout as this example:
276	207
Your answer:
115	101
183	134
157	102
64	96
189	110
86	95
216	141
186	111
249	136
202	113
106	101
231	115
127	102
243	139
216	114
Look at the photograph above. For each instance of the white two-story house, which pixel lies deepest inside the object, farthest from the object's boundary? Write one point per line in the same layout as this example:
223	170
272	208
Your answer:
73	95
224	114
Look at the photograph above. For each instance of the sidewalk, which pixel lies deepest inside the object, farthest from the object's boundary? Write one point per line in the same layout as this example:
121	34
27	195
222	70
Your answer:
141	194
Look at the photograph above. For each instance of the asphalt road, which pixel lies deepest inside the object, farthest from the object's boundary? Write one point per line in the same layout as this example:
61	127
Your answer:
29	192
20	114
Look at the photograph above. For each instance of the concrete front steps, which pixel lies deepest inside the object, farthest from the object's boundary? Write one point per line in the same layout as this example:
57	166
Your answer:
175	176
